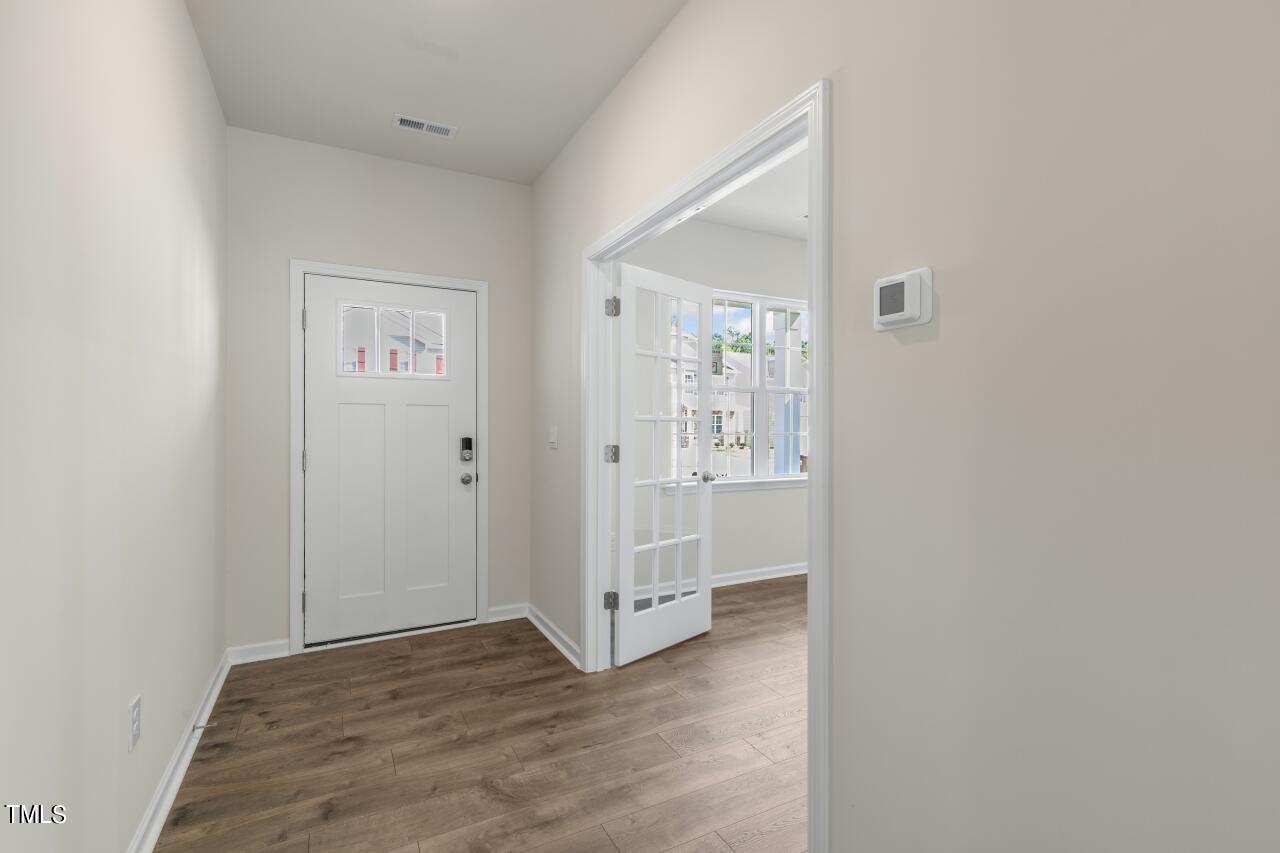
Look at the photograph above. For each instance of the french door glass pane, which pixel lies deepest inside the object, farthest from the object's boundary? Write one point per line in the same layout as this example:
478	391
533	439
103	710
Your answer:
670	387
689	508
669	314
645	388
666	574
643	513
688	455
644	450
644	580
665	455
668	499
646	320
689	567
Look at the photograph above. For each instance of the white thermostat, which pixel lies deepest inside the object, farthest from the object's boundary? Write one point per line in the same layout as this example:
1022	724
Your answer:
904	300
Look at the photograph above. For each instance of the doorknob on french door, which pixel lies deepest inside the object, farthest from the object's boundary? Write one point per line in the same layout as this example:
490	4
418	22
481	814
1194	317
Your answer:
708	477
466	479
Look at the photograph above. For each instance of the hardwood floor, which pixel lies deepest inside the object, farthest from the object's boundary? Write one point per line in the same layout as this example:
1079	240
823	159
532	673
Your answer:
486	739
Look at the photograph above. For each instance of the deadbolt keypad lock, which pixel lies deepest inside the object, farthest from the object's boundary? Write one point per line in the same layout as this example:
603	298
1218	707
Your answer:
465	450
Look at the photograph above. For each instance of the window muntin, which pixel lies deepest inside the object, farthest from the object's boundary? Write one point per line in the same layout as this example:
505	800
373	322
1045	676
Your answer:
760	380
391	341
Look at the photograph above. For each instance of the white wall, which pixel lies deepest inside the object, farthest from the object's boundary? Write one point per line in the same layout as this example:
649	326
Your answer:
750	529
1055	507
290	199
112	236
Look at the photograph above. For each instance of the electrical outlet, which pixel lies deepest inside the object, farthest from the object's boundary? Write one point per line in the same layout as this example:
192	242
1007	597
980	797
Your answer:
135	722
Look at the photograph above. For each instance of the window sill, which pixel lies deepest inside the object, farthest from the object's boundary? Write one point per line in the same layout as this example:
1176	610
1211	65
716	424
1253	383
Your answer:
761	484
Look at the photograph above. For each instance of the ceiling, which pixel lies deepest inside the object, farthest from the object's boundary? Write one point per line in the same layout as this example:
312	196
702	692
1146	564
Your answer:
517	77
774	203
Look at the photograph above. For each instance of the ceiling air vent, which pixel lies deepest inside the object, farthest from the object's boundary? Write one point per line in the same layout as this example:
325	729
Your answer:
431	128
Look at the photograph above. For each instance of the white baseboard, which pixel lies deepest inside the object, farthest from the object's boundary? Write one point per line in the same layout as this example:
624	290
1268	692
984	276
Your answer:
763	574
148	832
558	638
258	651
508	611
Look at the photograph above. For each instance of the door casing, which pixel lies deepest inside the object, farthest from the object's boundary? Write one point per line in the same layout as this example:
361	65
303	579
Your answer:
805	120
298	269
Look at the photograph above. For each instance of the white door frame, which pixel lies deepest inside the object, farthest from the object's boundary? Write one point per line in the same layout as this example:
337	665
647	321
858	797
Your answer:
298	269
806	118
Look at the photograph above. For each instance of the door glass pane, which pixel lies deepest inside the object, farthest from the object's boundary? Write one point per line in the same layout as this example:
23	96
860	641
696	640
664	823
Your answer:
643	512
644	450
393	331
688	451
670	326
690	504
664	460
689	390
428	343
358	353
646	325
645	392
670	387
643	598
668	497
667	574
689	329
689	567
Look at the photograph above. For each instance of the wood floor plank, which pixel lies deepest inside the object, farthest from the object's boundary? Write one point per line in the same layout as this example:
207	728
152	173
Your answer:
783	742
771	669
685	817
484	738
594	840
637	723
559	817
783	829
711	843
742	723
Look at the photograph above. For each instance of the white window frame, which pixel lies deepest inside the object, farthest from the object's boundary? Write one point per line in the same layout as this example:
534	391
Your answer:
760	389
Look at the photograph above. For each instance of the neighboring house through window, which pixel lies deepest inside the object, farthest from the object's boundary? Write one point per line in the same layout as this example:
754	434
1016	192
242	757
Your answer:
759	390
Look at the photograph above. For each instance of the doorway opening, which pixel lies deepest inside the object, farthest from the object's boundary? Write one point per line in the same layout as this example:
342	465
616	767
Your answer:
707	380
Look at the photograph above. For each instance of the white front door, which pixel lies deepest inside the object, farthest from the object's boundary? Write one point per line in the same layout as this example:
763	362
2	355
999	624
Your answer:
664	501
390	502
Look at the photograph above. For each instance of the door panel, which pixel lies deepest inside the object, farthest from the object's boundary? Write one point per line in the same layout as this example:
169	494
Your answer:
664	503
390	391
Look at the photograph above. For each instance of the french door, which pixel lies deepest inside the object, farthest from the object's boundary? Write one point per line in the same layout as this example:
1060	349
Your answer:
664	465
390	504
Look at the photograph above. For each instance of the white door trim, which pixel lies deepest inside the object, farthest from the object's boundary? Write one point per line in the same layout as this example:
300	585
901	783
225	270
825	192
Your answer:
806	118
298	269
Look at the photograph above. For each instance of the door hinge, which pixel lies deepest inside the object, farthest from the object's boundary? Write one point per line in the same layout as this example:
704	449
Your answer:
304	319
304	461
610	601
304	602
613	306
612	452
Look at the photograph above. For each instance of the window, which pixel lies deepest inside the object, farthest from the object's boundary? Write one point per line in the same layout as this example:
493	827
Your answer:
408	342
760	384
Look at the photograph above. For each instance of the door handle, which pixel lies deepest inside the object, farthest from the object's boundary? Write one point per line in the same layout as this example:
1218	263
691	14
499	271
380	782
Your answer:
708	477
467	479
